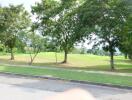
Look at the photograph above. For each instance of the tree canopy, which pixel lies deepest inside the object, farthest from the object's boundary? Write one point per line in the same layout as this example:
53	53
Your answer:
105	19
14	20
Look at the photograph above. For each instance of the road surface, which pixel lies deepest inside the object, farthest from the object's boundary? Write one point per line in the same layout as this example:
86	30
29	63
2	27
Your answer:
21	88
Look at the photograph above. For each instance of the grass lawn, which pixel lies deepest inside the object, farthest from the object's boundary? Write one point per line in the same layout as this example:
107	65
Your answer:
75	61
69	74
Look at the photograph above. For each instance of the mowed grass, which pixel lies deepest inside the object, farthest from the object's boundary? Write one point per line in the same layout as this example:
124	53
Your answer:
75	61
71	75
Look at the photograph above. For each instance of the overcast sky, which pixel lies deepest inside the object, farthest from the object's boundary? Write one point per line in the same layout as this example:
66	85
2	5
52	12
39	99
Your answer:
27	3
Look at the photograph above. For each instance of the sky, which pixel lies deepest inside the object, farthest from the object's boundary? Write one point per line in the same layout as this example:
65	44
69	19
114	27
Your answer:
27	3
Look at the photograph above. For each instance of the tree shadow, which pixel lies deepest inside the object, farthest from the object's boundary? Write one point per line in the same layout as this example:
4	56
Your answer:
8	61
123	61
120	67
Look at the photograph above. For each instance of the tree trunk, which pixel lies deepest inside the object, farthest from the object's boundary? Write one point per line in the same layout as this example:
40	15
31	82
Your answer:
112	60
130	57
30	63
125	55
56	57
32	57
12	54
65	56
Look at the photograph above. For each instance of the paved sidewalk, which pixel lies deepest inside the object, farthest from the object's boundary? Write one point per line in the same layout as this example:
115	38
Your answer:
127	96
10	92
23	88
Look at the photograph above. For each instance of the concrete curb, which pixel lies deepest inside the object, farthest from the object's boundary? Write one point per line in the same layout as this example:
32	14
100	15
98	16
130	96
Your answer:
68	80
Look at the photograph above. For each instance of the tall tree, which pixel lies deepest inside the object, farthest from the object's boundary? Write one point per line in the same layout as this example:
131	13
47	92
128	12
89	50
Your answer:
56	21
107	17
15	19
34	46
126	38
65	34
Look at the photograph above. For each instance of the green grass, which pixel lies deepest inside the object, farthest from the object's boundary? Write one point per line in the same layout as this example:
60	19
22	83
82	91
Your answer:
75	61
69	74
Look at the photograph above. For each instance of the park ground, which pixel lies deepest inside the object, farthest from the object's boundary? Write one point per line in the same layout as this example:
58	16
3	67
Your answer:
75	61
89	68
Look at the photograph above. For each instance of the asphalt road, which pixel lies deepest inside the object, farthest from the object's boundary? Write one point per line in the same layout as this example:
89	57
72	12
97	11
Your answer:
22	88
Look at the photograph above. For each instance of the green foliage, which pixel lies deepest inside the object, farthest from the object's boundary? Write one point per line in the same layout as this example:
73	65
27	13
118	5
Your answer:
97	51
104	19
2	26
64	23
14	19
20	45
56	22
126	40
34	44
1	47
75	51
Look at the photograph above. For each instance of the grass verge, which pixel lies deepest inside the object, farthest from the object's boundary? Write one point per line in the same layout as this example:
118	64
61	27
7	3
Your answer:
75	61
71	75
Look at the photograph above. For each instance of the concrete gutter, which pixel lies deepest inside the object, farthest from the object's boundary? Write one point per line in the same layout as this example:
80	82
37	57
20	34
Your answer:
68	80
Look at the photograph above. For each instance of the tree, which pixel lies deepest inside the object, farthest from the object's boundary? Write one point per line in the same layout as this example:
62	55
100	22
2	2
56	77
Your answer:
21	42
106	18
126	38
34	44
57	22
65	33
15	19
2	26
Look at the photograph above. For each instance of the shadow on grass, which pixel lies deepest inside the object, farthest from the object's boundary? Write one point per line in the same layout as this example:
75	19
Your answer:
127	67
8	61
118	67
122	61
